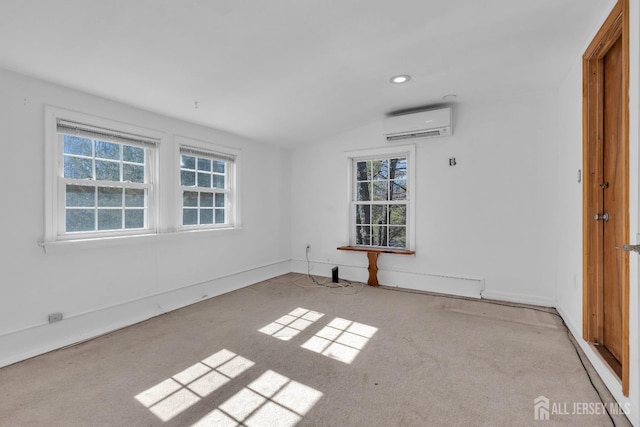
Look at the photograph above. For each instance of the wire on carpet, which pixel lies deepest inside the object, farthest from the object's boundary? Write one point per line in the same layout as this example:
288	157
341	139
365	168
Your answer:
343	287
351	289
575	347
549	311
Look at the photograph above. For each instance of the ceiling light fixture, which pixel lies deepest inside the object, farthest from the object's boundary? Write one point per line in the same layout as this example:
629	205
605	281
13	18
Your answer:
403	78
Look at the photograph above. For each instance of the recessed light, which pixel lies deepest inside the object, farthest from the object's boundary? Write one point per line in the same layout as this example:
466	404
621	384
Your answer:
450	97
403	78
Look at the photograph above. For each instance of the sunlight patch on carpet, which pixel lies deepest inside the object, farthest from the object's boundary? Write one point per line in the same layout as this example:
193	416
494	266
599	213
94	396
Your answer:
174	395
341	339
270	400
292	324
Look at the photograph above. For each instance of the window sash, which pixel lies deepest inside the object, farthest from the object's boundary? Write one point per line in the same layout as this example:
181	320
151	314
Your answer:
198	208
354	226
122	139
387	237
226	208
228	190
102	183
354	216
63	208
381	202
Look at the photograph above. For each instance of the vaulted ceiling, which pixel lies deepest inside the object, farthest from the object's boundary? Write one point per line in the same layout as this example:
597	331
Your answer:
295	71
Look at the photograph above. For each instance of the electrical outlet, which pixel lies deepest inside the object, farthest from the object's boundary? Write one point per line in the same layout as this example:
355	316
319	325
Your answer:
55	317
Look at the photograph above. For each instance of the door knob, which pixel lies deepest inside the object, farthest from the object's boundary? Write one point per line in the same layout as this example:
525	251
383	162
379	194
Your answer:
631	248
604	217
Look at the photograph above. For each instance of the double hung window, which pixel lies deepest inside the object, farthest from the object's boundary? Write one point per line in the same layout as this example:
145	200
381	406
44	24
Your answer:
206	184
105	181
381	210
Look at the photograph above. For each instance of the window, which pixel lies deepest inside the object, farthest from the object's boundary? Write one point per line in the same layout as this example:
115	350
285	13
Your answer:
104	181
110	179
207	188
380	200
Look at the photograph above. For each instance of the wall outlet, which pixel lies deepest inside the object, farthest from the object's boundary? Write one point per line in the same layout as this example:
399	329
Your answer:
55	317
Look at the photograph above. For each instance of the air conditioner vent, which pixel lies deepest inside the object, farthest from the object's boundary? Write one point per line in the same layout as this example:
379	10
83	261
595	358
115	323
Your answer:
424	124
392	138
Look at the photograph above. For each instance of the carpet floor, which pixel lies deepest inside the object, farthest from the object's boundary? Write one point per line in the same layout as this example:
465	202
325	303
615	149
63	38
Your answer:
284	353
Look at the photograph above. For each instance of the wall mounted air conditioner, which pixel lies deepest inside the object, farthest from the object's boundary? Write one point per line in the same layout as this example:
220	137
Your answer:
423	124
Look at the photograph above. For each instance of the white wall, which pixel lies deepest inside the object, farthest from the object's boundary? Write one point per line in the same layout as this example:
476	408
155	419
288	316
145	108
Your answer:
490	217
569	196
569	213
109	286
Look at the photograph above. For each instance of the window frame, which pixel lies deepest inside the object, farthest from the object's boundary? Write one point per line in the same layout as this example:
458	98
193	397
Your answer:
55	182
212	151
401	151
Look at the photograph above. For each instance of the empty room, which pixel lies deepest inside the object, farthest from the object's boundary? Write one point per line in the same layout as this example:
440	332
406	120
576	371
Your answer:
315	213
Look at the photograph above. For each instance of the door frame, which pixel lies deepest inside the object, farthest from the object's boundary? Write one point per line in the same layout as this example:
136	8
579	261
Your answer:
616	25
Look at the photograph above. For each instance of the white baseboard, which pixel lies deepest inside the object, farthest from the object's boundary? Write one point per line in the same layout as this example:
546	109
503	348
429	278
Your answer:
603	371
471	287
38	339
441	284
437	283
519	298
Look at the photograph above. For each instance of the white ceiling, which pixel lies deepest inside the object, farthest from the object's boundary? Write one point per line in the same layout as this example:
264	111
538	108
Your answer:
295	71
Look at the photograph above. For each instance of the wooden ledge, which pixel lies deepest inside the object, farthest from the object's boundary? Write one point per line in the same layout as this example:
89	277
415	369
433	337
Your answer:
372	255
377	250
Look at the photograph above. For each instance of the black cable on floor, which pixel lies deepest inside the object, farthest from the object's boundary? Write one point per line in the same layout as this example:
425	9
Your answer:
349	288
553	312
575	348
573	344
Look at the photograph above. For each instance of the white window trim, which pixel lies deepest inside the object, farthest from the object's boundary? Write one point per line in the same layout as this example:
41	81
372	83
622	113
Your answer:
54	199
233	177
408	151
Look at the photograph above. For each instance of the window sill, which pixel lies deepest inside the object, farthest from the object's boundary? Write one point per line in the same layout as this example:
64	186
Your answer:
62	246
199	232
376	249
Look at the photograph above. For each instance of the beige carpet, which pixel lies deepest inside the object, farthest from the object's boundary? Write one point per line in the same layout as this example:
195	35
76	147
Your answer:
278	354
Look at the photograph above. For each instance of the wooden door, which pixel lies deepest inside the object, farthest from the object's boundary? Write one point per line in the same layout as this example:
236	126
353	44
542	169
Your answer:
606	193
613	232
